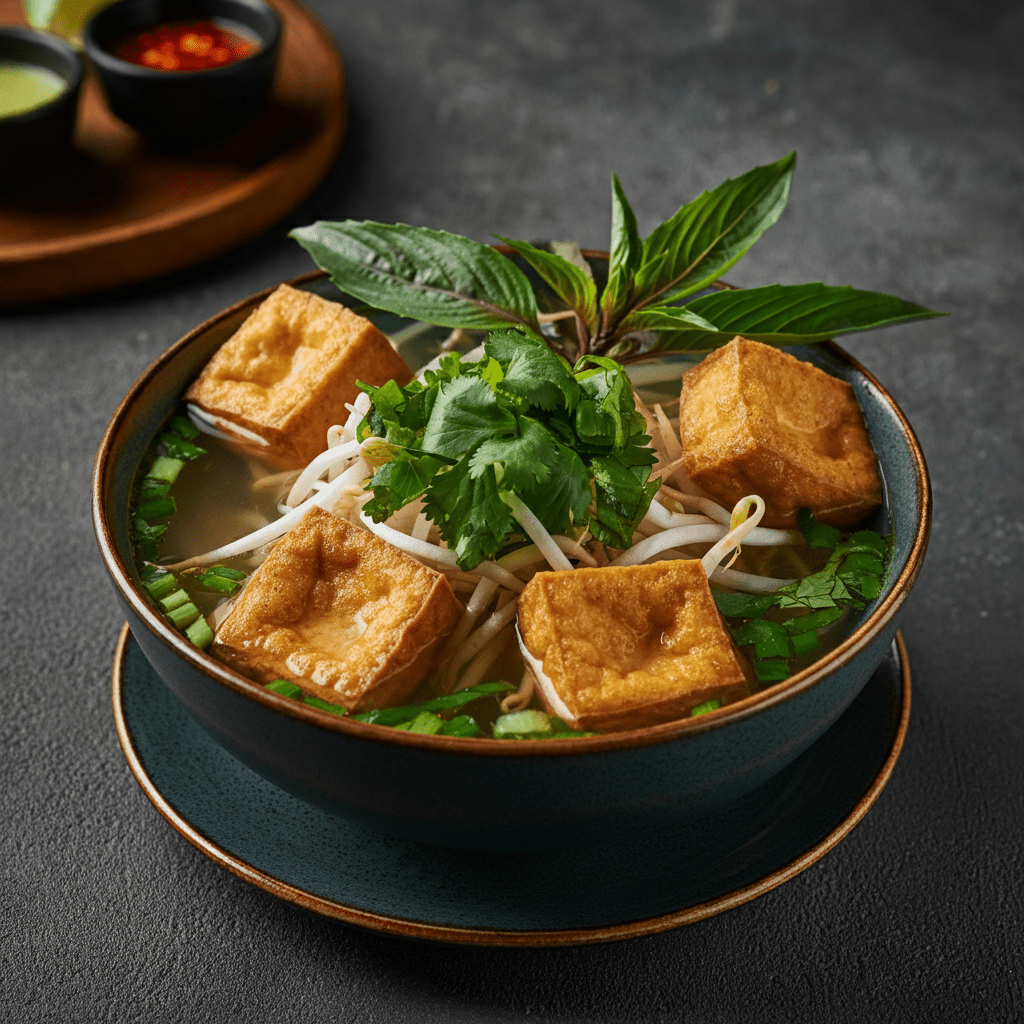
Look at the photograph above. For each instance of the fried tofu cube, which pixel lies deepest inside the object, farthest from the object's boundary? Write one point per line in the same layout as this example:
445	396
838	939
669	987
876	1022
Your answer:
287	373
621	647
341	613
756	420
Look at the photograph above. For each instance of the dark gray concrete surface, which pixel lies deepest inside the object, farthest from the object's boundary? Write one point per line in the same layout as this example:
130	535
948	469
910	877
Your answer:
510	116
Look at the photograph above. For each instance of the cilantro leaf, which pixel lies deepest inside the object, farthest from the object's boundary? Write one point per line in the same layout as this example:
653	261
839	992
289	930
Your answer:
525	458
473	520
465	412
817	534
533	375
398	482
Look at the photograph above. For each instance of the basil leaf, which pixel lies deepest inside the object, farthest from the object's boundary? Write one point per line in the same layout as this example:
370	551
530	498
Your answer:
704	238
790	314
625	260
422	274
665	318
570	283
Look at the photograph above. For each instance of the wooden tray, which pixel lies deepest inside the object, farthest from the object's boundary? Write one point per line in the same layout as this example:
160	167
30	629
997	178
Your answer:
122	213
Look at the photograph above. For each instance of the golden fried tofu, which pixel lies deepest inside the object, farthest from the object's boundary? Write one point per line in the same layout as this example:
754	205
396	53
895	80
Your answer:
756	420
287	373
628	646
341	613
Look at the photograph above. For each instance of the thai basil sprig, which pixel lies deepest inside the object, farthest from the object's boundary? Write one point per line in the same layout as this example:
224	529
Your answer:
652	286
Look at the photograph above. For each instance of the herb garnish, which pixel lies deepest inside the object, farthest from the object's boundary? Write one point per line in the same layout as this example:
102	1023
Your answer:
568	443
451	281
853	575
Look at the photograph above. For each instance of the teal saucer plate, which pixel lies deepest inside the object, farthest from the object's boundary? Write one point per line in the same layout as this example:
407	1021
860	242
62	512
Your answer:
596	893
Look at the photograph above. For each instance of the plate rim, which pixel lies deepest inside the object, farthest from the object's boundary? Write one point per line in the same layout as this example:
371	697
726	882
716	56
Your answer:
551	937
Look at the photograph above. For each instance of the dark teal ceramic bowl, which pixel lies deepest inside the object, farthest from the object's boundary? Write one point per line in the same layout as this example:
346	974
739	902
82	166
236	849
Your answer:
488	795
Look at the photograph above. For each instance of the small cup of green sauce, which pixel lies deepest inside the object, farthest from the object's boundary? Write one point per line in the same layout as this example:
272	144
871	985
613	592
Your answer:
40	77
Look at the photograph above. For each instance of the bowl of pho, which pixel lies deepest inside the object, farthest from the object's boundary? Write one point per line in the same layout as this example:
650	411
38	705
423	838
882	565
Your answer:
523	546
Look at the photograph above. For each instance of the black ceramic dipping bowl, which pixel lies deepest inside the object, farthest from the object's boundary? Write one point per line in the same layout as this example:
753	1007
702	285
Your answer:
39	140
184	109
505	796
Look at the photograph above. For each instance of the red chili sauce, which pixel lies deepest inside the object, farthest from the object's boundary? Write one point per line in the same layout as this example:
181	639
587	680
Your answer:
185	46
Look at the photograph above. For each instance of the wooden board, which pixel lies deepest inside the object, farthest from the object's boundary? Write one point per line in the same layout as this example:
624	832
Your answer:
120	213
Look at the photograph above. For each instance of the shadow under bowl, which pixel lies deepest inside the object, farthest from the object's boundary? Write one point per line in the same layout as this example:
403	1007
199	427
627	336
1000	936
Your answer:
39	140
507	796
180	110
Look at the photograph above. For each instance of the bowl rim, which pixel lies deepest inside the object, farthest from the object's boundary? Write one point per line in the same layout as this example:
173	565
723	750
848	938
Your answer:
739	711
72	77
104	60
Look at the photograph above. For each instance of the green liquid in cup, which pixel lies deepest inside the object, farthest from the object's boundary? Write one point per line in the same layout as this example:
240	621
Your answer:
24	87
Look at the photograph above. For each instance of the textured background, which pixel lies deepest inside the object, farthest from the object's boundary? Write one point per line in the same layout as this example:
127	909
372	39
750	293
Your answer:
509	116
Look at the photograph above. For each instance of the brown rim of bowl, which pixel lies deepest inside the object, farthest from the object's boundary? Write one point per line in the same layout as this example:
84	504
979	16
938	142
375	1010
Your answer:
407	928
666	732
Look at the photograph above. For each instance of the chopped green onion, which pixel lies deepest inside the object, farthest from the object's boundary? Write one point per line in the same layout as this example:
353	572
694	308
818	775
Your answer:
165	468
174	600
178	448
285	687
227	572
221	578
461	725
156	508
771	670
813	620
153	488
149	532
200	633
316	702
804	643
708	705
449	702
160	586
184	615
519	723
185	427
426	723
